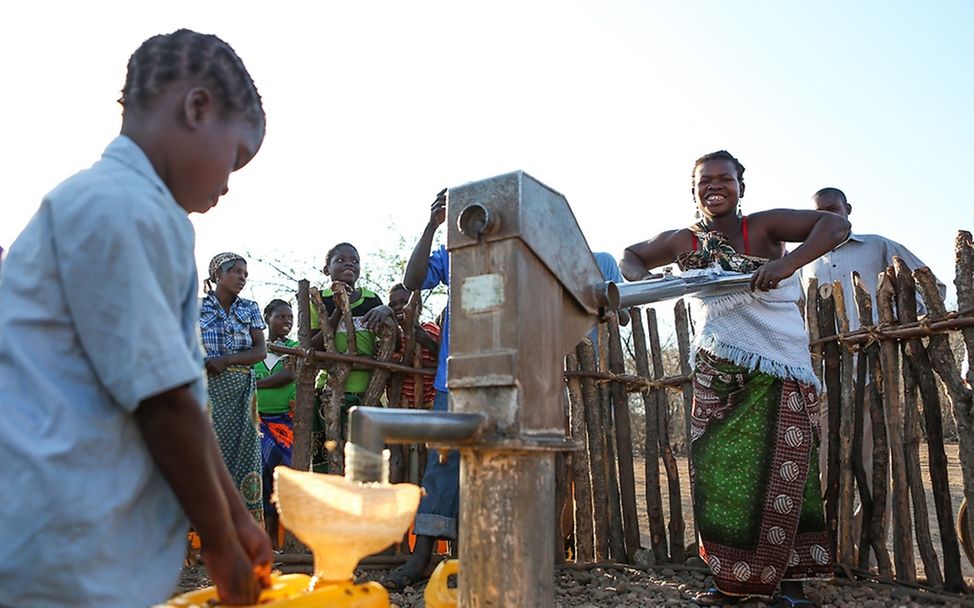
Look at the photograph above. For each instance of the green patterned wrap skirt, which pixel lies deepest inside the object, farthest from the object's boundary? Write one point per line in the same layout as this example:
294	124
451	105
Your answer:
754	470
233	409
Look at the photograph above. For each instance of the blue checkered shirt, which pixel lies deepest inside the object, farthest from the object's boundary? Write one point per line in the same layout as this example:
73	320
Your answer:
225	333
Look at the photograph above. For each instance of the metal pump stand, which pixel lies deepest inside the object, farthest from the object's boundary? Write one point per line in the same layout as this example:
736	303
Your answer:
525	289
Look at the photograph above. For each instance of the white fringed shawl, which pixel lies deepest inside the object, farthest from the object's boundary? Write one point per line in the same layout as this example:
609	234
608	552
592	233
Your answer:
758	330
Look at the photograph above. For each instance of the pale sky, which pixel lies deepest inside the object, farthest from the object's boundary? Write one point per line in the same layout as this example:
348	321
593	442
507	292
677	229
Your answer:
375	106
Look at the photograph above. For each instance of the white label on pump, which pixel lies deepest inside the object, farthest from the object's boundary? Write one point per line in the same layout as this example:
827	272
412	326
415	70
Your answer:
482	293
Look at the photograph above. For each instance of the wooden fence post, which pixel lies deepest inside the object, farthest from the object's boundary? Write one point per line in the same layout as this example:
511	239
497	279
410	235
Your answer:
337	375
623	434
304	393
914	477
902	540
876	522
595	431
812	307
581	473
617	539
387	338
408	351
964	410
845	553
833	409
305	371
654	500
683	345
676	527
921	368
942	359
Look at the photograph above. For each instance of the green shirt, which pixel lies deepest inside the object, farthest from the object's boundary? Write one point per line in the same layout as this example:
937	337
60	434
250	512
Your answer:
365	341
274	400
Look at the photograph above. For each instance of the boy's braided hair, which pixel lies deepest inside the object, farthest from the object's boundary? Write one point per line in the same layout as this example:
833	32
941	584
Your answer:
167	58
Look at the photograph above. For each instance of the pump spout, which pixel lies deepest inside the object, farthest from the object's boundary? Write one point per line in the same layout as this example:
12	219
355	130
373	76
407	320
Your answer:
370	428
669	286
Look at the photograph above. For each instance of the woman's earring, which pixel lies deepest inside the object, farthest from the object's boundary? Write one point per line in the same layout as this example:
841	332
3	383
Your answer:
739	214
696	214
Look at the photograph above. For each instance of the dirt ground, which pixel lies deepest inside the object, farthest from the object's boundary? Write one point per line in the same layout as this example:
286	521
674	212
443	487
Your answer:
625	587
953	473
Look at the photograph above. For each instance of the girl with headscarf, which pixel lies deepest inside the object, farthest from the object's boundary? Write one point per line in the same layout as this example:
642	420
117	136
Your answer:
232	332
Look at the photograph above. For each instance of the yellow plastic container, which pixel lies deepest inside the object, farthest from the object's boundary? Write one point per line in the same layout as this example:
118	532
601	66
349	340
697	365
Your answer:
438	594
291	591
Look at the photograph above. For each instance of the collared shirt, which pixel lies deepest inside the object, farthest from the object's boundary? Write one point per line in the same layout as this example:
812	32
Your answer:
98	312
438	273
869	255
225	333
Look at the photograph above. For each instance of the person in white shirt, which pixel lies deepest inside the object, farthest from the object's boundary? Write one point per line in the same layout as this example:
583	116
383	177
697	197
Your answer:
869	255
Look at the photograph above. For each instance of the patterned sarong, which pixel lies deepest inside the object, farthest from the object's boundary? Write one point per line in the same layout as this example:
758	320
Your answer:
233	409
276	439
754	470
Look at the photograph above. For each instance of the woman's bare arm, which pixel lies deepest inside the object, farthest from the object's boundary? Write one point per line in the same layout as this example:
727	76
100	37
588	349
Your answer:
819	232
639	259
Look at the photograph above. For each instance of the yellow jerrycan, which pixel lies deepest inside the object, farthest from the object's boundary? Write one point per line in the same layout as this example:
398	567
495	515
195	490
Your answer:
438	594
291	591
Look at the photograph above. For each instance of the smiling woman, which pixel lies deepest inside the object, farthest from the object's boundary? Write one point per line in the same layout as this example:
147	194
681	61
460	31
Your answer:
757	495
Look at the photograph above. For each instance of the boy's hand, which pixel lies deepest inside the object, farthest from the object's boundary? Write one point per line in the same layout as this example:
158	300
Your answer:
232	572
373	319
438	209
257	544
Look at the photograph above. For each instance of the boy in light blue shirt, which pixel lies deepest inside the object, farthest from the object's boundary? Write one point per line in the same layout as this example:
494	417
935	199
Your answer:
104	440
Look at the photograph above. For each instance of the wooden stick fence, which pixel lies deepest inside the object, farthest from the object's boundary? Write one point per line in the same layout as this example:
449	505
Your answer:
885	374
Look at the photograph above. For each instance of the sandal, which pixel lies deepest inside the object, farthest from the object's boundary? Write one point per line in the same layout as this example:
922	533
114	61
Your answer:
786	601
714	597
400	578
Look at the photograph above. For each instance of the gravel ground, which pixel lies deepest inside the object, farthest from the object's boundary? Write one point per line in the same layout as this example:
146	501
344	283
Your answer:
628	587
624	587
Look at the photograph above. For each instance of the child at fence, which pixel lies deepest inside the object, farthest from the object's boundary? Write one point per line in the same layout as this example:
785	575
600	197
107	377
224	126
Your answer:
233	337
757	495
343	264
105	443
427	340
275	404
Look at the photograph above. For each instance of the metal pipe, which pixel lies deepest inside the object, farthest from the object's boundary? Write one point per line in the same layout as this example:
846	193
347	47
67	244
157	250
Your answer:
370	428
607	295
669	287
